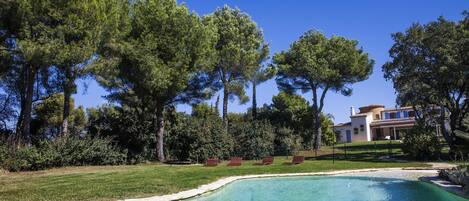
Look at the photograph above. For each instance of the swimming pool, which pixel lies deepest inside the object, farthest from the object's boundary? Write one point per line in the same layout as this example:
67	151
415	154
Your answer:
328	188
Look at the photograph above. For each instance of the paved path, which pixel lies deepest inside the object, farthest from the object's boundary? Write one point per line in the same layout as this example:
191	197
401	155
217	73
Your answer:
442	165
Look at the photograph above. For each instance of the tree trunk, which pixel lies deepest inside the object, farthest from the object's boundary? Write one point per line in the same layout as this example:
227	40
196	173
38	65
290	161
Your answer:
66	112
316	129
225	106
444	128
160	133
254	101
15	140
66	107
316	119
23	131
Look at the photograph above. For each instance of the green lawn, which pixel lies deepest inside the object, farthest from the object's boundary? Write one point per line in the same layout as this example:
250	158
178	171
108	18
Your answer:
117	182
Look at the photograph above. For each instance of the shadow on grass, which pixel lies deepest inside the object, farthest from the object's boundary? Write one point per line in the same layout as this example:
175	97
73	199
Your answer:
369	147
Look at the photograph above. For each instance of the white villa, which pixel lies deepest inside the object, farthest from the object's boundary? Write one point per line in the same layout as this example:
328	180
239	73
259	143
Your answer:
374	122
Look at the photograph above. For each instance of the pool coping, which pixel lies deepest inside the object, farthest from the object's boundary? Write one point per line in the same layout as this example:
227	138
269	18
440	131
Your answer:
445	185
227	180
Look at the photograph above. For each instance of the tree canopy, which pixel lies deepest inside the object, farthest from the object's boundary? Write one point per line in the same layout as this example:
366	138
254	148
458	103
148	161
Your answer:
161	60
315	63
429	67
238	48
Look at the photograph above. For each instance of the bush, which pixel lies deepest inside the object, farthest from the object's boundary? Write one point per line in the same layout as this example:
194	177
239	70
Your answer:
197	138
64	152
39	157
88	151
421	143
286	141
3	153
253	140
129	128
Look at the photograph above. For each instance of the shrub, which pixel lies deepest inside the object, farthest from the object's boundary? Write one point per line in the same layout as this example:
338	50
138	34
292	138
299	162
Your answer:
37	157
197	138
253	140
286	141
421	143
64	152
3	153
129	128
328	135
88	151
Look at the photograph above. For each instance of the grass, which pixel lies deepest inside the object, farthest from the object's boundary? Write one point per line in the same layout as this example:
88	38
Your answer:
118	182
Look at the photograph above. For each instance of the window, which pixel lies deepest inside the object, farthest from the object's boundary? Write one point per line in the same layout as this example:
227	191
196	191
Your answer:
409	113
362	127
376	116
392	115
355	131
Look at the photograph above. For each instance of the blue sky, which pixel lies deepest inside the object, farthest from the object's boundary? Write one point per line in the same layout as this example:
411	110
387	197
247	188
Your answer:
370	22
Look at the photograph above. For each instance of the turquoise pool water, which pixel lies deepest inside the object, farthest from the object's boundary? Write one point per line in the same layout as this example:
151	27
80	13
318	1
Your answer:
313	188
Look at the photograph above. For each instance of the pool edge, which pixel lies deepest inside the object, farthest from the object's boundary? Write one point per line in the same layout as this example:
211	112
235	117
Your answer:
445	185
206	188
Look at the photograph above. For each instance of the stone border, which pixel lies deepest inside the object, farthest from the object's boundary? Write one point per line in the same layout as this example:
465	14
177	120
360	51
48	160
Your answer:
224	181
445	185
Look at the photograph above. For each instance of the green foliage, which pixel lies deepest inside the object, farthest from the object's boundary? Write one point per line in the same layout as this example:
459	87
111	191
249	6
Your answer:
70	151
329	136
253	140
163	50
286	142
315	63
27	36
203	110
159	60
259	75
238	50
291	110
48	116
197	138
429	67
421	143
3	152
88	151
129	128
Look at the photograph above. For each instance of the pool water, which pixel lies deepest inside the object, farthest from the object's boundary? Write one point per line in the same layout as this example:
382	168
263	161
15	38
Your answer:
336	188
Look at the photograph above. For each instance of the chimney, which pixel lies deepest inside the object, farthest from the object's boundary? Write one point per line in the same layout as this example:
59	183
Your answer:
352	111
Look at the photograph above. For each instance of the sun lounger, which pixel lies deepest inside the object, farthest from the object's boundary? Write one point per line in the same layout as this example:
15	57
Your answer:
267	160
298	160
235	161
211	162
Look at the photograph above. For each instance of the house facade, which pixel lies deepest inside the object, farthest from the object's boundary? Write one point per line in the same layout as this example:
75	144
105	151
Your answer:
375	122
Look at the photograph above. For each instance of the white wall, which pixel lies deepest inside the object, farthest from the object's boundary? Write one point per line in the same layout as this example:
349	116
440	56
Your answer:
362	135
342	130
